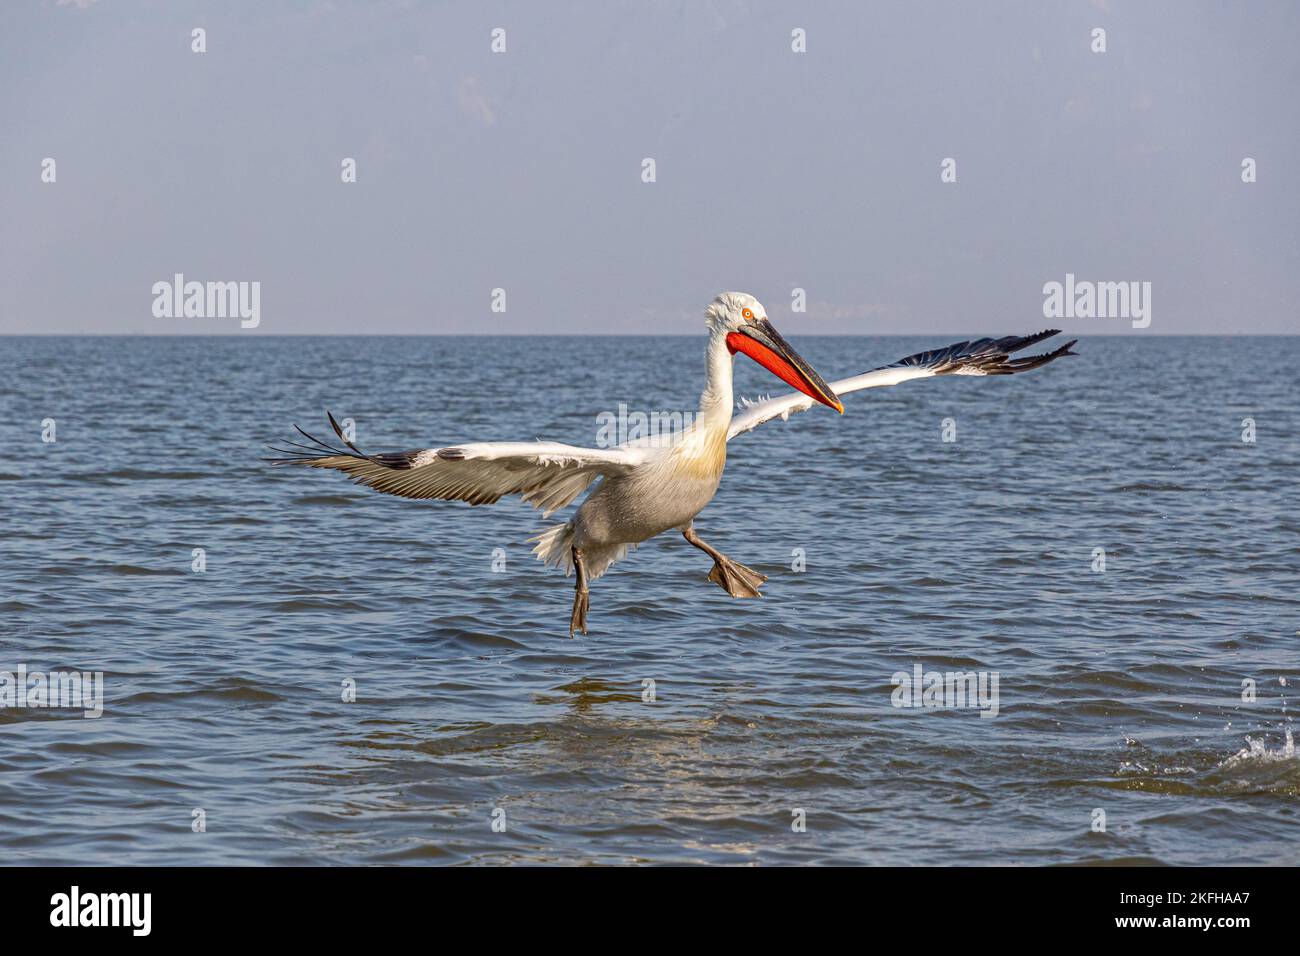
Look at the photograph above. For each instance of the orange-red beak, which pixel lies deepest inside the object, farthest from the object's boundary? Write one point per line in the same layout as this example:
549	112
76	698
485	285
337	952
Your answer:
761	342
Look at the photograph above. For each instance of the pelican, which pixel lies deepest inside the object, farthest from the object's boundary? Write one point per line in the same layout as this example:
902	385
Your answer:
650	485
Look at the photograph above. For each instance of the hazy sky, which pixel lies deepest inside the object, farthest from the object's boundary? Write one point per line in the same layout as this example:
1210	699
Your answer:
523	170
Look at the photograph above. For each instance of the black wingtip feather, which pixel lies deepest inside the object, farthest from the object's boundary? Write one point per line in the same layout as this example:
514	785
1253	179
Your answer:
987	356
335	425
300	454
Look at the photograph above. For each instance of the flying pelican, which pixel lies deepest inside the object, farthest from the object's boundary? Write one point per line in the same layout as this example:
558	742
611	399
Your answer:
649	485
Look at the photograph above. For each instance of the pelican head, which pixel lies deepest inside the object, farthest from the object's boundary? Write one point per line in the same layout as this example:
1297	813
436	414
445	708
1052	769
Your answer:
743	320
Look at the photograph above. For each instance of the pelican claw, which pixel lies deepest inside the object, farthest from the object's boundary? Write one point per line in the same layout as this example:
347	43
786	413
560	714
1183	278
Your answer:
579	619
581	596
736	579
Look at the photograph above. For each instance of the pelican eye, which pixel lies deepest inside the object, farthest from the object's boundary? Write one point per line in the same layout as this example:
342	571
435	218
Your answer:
747	314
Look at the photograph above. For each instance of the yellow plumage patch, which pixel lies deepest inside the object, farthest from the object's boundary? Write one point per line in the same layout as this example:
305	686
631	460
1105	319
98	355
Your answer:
703	455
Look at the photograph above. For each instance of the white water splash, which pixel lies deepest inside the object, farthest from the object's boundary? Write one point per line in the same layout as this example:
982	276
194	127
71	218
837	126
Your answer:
1258	750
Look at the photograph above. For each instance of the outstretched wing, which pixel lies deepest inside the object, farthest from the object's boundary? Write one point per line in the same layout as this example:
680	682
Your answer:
980	357
548	475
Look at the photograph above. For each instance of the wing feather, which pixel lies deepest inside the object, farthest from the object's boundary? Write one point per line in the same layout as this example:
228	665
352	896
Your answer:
978	357
548	475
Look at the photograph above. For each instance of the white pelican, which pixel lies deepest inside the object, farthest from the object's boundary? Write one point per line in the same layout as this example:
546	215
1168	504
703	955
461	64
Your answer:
649	485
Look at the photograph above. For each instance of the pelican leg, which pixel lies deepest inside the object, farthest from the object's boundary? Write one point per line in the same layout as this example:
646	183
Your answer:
580	592
732	576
